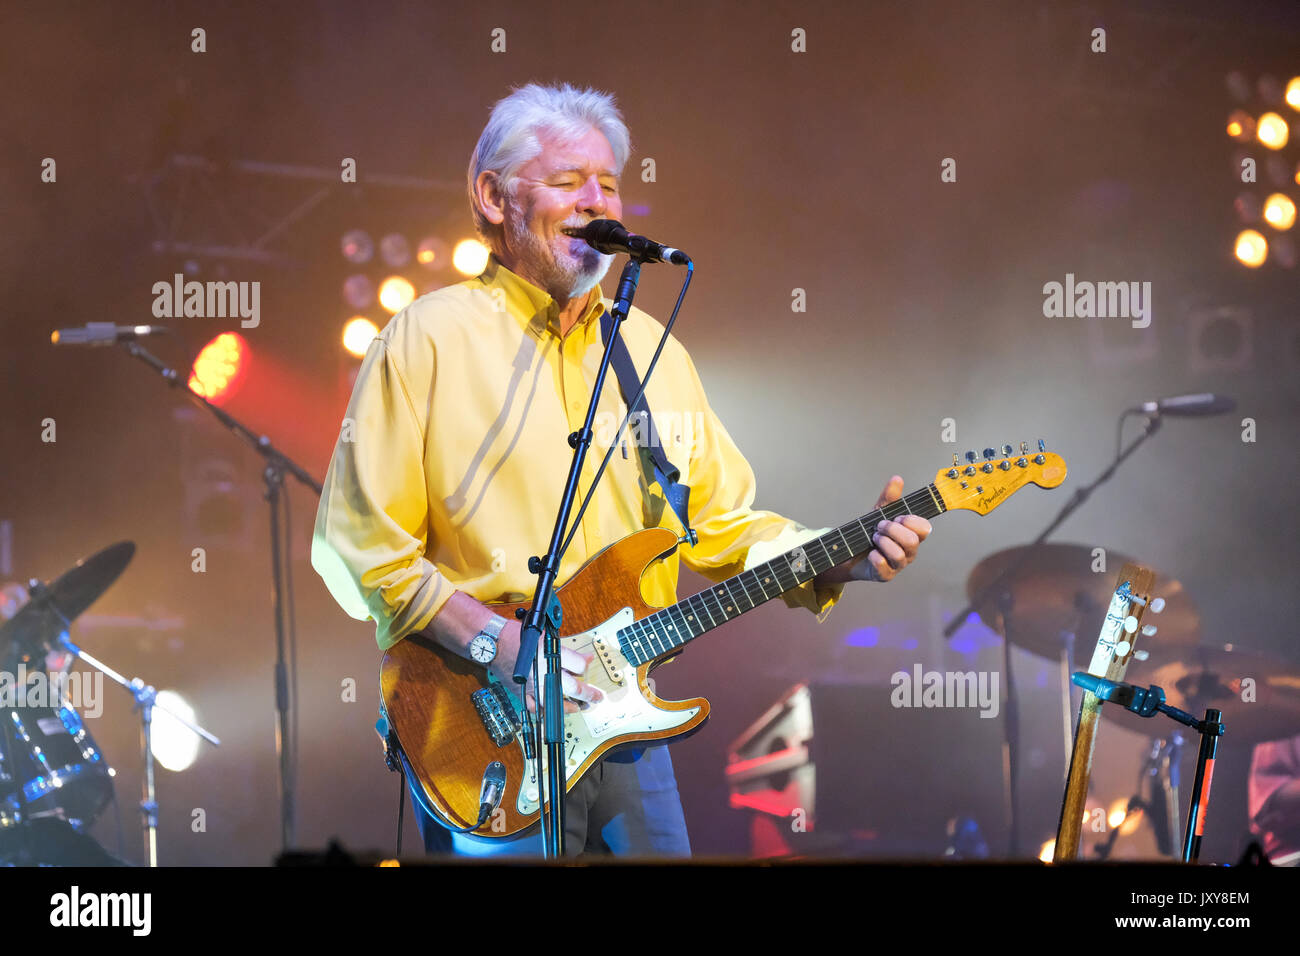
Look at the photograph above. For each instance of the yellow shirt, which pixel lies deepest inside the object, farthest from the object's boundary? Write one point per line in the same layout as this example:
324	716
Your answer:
452	459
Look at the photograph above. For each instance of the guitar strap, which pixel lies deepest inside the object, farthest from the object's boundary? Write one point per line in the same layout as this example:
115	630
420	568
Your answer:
653	459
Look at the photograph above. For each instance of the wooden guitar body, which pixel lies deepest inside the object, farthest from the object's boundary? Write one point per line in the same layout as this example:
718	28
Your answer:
428	694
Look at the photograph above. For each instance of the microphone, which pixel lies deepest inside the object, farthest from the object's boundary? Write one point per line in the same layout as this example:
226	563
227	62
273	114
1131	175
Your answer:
104	333
610	237
1204	403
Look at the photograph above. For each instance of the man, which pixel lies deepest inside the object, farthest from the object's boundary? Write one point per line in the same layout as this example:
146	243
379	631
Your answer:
461	410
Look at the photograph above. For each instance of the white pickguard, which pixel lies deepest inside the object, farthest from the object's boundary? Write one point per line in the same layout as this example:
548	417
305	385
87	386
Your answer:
623	710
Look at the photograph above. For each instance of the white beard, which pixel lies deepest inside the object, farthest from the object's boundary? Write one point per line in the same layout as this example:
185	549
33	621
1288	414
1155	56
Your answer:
556	269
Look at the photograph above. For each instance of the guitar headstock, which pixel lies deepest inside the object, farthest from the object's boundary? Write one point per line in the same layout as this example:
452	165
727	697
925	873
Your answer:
981	486
1117	642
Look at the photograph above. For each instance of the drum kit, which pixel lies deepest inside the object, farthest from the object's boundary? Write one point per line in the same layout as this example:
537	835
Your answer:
54	780
1039	597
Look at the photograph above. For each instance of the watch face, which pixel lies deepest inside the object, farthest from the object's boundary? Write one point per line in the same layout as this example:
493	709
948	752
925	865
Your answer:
483	649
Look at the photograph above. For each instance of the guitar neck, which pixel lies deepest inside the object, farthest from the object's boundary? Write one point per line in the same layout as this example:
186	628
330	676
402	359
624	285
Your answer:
659	633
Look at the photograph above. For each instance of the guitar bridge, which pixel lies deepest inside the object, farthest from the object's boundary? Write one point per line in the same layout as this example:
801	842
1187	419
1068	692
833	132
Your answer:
497	712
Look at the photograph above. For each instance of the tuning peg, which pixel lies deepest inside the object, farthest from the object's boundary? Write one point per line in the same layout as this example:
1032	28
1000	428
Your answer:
1157	605
989	454
1024	448
1006	451
971	456
954	459
1141	655
1149	630
1130	624
1042	445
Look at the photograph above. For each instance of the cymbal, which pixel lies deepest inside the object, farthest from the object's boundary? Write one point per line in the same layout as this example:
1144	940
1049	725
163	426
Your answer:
42	619
1056	591
1216	676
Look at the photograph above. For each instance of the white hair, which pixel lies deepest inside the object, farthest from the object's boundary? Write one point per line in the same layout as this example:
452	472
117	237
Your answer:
509	140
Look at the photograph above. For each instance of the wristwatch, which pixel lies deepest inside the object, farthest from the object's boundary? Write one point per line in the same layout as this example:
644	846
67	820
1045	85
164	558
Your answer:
483	648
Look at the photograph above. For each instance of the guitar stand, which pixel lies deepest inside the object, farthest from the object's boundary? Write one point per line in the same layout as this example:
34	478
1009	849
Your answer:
1150	701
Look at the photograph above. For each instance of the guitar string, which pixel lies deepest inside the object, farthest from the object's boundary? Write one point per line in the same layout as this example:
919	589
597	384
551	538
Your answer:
650	624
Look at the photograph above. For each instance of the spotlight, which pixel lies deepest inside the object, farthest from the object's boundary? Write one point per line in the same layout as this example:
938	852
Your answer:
1284	251
432	253
219	368
1279	211
396	293
358	334
1251	248
1293	93
470	257
1241	126
174	745
1247	206
1272	131
1049	848
394	248
1238	86
358	291
357	247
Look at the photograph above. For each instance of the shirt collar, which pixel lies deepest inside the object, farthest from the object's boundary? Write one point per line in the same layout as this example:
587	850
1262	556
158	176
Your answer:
532	307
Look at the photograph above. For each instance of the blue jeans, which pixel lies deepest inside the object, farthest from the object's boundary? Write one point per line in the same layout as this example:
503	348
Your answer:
626	805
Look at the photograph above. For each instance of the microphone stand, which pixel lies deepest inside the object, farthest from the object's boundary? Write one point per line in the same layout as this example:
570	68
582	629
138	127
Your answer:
1010	762
1147	702
278	465
545	612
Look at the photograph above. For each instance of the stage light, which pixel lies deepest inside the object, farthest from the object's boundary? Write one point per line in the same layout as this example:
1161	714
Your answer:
1045	854
432	253
359	291
1247	206
220	367
358	334
1293	93
1117	814
1272	131
1279	211
470	257
1241	126
1238	86
357	246
174	745
396	293
1251	248
1284	251
1278	173
394	248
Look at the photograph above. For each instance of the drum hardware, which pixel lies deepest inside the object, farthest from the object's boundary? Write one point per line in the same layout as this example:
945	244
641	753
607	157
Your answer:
145	696
50	766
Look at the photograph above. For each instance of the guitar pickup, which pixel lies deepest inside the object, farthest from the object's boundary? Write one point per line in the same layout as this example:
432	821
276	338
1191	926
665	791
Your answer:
607	660
497	713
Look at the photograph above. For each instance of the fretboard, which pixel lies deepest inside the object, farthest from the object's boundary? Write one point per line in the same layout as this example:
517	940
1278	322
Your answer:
661	632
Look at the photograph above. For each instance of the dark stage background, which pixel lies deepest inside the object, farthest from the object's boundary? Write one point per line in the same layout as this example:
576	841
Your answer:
778	171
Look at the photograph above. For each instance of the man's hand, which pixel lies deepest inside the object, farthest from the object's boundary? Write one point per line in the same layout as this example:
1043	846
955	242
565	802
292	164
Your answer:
896	543
573	663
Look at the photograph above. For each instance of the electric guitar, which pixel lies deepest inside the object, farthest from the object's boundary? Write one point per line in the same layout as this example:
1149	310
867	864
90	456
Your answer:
452	718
